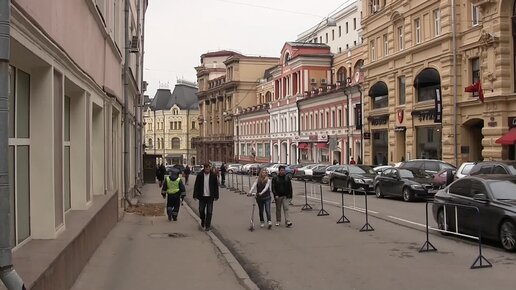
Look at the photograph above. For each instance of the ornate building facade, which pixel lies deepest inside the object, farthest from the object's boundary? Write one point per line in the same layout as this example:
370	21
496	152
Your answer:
171	123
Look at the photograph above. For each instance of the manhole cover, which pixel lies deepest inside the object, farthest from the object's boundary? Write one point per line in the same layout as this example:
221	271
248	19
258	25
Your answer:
167	235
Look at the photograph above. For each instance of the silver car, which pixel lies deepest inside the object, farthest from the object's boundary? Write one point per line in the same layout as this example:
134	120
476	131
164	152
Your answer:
464	169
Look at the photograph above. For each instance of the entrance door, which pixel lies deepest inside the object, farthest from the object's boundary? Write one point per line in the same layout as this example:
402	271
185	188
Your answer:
380	147
471	145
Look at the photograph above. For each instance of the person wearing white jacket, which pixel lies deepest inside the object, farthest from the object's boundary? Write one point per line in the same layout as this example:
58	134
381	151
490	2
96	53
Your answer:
262	187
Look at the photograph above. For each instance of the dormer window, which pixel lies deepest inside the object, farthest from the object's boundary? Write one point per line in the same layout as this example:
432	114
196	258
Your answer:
287	58
175	111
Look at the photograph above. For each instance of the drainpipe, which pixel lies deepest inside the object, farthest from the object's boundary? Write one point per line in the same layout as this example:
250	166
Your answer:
455	107
8	274
359	87
126	103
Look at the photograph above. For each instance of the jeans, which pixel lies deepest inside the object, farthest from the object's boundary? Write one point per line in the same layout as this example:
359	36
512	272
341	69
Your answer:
206	211
264	204
173	204
282	201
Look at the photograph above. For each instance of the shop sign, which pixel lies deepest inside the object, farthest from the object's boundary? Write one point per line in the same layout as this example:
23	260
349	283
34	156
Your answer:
512	122
379	120
400	129
358	116
438	107
424	115
400	115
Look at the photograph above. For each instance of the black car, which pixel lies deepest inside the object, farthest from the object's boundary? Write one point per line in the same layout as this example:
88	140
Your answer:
494	167
495	198
404	183
429	165
354	177
318	172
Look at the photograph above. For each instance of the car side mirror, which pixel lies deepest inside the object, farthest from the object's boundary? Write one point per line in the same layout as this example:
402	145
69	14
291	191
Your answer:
480	197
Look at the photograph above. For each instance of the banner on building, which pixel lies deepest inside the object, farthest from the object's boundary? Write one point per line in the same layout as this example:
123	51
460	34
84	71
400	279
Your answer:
358	116
438	118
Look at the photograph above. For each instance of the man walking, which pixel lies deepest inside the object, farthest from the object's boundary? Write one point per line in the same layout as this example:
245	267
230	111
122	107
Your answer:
186	173
282	191
172	189
223	174
206	190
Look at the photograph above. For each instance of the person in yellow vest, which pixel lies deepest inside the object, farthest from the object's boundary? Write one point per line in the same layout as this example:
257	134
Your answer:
172	189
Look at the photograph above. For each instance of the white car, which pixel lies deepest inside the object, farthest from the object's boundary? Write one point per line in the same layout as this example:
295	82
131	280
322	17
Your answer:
464	169
273	170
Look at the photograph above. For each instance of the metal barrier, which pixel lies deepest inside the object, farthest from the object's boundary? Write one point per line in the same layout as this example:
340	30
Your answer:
242	183
343	219
306	206
367	227
430	248
322	212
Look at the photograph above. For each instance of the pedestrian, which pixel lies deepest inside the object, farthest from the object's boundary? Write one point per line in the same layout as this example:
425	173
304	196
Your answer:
262	185
282	191
206	190
172	190
222	174
186	173
352	161
160	174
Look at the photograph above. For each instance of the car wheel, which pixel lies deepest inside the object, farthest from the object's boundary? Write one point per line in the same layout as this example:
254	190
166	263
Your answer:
508	235
407	194
441	222
332	186
378	192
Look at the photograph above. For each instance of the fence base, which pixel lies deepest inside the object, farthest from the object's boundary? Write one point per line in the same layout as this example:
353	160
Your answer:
306	207
478	263
367	228
343	220
427	247
323	212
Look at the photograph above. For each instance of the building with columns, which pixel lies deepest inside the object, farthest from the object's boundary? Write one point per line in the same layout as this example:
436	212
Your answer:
171	123
227	83
74	130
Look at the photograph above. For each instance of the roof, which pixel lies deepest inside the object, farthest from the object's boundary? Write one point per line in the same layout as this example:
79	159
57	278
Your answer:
183	96
307	44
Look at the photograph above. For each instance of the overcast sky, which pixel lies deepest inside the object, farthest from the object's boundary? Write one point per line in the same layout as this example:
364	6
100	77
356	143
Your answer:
177	32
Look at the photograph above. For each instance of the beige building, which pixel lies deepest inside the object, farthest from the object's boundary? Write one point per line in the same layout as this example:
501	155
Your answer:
227	83
69	177
415	104
171	122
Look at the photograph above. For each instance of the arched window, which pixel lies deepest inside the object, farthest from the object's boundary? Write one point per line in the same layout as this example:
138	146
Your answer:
175	111
268	97
426	84
176	143
341	75
287	58
379	95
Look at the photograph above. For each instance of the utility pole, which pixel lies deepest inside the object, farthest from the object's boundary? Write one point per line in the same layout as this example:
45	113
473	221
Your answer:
8	274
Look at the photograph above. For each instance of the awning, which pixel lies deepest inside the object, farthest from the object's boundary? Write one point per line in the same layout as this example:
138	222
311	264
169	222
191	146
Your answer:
303	146
322	145
508	138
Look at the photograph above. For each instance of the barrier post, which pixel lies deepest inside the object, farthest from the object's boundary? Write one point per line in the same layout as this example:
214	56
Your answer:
322	212
427	244
367	227
478	262
306	206
242	183
343	219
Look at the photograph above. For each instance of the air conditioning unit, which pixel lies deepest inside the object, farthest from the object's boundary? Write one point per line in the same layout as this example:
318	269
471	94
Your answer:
134	46
323	81
313	81
376	8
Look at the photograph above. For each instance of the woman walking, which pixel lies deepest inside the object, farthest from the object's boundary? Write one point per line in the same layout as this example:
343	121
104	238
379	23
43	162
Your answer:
262	185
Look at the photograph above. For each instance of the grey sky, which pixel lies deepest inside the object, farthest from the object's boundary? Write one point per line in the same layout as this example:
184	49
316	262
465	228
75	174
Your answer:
177	32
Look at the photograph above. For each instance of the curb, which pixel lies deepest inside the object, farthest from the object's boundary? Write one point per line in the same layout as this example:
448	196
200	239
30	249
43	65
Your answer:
232	261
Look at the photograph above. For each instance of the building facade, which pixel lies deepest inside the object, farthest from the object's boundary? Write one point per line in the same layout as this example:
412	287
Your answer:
227	83
416	106
171	123
69	174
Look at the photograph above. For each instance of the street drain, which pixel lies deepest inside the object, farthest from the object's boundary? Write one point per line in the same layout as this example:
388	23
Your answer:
167	235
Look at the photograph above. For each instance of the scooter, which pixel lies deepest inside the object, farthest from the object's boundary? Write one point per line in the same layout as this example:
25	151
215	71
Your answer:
251	226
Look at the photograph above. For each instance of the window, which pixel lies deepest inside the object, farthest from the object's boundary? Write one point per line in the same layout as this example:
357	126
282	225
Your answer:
437	22
171	125
354	23
315	40
385	45
417	28
373	50
339	116
497	169
326	37
327	123
320	39
401	90
475	72
347	28
333	120
66	163
316	123
321	119
267	149
475	15
176	143
340	31
179	125
354	43
333	34
18	154
400	37
259	148
461	187
193	124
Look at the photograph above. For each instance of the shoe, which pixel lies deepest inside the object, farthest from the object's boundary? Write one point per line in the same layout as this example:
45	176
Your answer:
207	229
289	224
262	225
277	224
269	225
175	218
202	224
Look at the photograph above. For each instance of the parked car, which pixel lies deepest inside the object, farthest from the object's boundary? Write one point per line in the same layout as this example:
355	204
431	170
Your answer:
428	165
273	170
329	170
319	172
233	168
464	169
292	169
494	167
405	183
304	172
381	168
354	177
495	198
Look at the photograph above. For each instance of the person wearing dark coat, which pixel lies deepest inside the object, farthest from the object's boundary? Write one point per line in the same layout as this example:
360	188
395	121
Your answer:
186	173
206	190
223	174
160	174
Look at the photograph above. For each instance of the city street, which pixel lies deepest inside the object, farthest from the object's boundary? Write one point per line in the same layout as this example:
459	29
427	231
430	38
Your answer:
318	253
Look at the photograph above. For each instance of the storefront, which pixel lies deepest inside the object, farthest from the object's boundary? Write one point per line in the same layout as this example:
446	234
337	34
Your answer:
508	140
379	137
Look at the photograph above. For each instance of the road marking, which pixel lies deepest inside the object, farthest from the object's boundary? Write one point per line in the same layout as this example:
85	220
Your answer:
407	221
362	210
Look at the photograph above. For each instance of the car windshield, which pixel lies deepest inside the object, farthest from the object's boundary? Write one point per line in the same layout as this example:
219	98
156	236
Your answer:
512	168
467	168
361	170
404	173
503	189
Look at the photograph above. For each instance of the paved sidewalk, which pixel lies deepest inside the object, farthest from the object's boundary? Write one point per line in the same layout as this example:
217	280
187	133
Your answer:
140	254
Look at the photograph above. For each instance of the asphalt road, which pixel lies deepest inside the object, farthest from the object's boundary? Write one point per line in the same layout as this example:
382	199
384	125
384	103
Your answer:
318	253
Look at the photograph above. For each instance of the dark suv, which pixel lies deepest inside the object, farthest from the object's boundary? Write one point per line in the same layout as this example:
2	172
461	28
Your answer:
494	167
428	165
